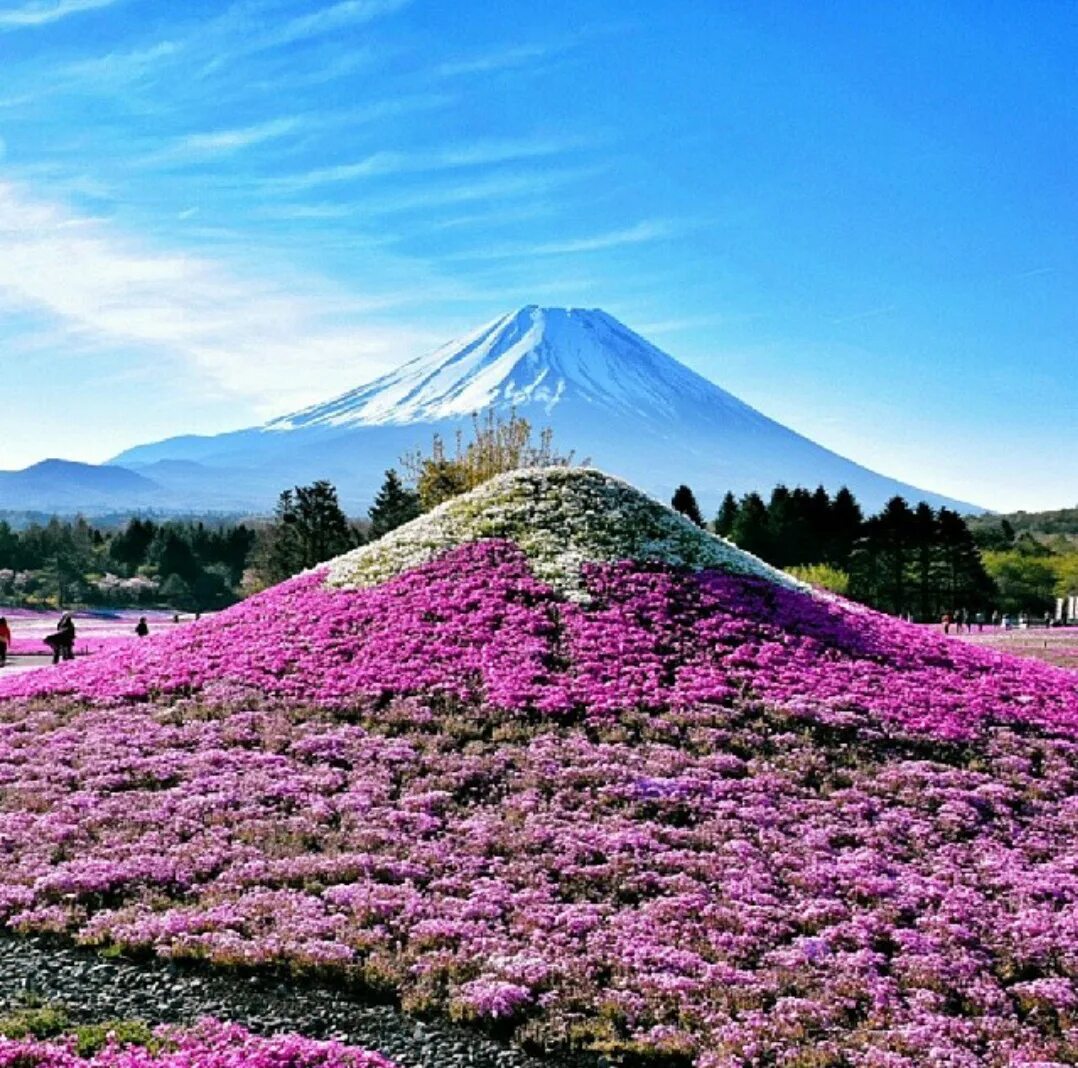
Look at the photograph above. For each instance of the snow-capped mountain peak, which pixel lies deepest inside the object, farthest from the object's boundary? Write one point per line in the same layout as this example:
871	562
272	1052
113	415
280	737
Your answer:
605	393
531	358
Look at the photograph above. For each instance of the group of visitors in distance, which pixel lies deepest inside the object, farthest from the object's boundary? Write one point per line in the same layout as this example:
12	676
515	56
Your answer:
61	642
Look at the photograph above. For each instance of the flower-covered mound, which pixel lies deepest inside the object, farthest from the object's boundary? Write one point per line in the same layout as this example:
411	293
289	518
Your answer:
476	629
625	791
562	518
693	815
209	1045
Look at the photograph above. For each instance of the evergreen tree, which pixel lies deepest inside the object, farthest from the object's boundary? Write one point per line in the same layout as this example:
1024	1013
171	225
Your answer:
925	538
684	501
844	529
895	533
817	511
309	528
394	506
10	555
129	548
727	517
789	518
781	527
171	554
751	531
964	581
176	593
212	588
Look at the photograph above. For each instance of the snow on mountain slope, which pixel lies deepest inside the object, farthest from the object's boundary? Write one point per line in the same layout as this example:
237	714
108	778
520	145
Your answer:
607	393
534	357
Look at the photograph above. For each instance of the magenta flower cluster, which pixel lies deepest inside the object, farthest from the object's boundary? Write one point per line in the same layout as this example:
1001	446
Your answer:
209	1045
697	816
475	626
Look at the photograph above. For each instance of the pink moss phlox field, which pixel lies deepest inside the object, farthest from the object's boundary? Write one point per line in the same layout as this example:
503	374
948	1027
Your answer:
698	817
209	1045
476	626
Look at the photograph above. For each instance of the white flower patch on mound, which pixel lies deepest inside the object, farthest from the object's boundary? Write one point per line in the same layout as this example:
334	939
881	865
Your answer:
561	518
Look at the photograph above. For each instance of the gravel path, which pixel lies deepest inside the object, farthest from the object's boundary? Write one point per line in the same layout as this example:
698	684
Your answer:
92	988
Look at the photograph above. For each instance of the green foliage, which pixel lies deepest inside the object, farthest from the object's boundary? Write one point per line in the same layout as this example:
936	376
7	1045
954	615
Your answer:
68	563
1032	556
91	1039
684	501
997	534
823	576
309	528
48	1022
498	445
1026	583
394	506
41	1023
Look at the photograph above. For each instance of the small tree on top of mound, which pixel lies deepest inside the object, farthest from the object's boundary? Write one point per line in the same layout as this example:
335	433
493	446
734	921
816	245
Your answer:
498	445
684	501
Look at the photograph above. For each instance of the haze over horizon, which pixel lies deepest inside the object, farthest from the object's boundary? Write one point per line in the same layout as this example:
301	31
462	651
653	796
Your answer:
860	222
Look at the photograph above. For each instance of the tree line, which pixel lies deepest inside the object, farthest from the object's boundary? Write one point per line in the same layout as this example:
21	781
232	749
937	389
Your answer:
183	565
1033	559
909	561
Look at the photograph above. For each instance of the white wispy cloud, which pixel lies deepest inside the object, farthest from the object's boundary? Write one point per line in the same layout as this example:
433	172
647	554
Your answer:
641	233
379	164
502	59
117	66
325	20
675	326
223	142
531	54
274	341
41	12
482	190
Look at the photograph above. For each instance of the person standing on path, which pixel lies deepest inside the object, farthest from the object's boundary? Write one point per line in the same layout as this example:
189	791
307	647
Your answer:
62	642
143	628
5	640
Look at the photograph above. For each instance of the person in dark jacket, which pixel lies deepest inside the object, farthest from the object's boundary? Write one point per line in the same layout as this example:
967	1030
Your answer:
5	640
143	628
62	643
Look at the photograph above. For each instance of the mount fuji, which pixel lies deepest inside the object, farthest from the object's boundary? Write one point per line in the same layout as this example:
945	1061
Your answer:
607	393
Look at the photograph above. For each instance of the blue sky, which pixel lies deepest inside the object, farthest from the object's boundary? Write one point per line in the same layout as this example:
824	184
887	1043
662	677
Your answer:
859	218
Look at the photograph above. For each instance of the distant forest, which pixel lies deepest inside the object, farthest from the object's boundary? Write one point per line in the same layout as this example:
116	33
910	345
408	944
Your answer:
1032	556
1062	522
182	565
